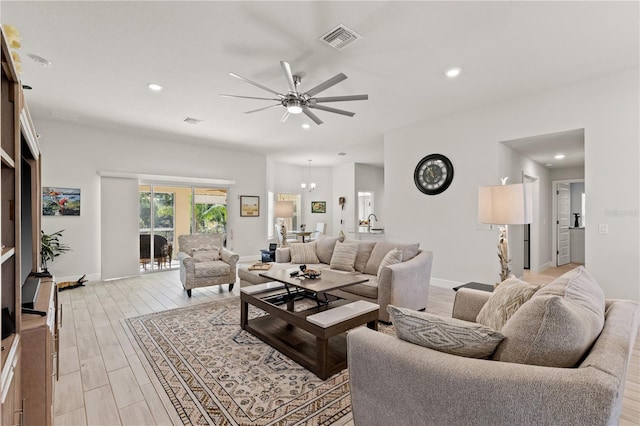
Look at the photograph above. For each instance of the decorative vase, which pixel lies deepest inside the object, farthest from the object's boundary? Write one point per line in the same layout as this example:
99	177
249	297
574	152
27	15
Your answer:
576	224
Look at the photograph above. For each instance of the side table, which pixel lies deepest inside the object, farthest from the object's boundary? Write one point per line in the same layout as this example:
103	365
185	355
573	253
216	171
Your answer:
475	286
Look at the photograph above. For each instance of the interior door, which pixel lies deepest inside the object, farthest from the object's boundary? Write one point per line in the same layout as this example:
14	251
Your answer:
563	194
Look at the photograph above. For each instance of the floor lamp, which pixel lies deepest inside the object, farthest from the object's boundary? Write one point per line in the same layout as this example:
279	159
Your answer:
283	210
505	205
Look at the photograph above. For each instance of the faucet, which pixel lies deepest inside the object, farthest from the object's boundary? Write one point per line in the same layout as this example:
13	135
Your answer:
369	221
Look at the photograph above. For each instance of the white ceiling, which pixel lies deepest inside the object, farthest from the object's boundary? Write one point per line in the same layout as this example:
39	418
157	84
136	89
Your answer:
104	53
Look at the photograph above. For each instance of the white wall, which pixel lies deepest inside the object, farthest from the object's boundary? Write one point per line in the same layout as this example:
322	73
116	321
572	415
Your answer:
73	154
567	173
607	108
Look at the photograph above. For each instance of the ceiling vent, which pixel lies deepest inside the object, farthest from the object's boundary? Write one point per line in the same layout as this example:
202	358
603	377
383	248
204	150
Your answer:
340	37
190	120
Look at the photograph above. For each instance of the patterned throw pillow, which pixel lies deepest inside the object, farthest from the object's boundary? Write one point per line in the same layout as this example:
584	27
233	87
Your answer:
504	302
449	335
206	255
394	256
344	256
304	253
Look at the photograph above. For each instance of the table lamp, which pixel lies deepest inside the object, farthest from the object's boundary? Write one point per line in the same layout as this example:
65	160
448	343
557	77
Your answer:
505	205
283	210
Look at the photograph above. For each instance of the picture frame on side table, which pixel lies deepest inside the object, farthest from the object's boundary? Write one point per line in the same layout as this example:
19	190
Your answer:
318	207
249	206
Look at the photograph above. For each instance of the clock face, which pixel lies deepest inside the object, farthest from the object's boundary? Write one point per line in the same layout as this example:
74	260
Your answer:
433	174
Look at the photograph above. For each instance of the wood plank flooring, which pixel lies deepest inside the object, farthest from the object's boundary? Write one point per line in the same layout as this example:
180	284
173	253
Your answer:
102	380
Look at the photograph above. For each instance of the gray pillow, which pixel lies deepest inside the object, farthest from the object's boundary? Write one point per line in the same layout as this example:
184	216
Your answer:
304	253
391	258
364	252
558	325
344	256
450	335
206	255
504	302
324	248
409	251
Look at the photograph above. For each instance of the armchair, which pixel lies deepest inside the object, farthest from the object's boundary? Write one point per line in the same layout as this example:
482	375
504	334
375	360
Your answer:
396	382
216	267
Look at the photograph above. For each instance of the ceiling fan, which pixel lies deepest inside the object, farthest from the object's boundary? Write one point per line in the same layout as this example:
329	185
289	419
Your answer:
297	102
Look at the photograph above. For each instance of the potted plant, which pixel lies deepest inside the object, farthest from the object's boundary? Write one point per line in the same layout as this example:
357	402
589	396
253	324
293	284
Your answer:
51	247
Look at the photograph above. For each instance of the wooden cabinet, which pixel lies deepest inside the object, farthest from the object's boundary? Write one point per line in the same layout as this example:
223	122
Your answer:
40	353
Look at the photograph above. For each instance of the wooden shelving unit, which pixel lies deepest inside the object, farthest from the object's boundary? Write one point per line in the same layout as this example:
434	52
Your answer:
18	147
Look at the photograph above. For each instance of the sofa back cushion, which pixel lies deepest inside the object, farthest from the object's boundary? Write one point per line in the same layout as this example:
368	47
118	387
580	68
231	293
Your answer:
558	325
409	251
344	256
324	248
206	255
304	253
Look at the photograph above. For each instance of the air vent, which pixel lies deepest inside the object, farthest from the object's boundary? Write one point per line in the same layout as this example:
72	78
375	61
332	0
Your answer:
340	37
190	120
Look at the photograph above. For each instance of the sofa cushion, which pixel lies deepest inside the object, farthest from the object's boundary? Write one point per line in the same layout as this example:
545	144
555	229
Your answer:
394	256
364	252
504	302
344	256
409	251
368	289
558	325
304	253
450	335
217	268
205	255
187	243
324	248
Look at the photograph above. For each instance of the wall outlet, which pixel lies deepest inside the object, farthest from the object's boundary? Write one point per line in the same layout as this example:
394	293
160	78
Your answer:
603	229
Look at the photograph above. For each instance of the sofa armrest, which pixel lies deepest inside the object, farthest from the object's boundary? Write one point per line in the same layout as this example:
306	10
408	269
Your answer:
468	303
227	256
283	255
187	263
406	284
396	382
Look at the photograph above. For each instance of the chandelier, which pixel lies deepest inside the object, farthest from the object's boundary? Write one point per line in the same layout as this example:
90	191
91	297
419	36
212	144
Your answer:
311	185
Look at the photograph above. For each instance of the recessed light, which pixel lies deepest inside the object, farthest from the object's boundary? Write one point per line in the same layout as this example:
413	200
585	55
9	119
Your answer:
559	156
306	126
453	72
42	62
154	86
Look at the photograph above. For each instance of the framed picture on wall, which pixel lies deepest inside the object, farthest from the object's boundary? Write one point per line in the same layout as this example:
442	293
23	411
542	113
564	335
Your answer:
318	207
249	206
58	201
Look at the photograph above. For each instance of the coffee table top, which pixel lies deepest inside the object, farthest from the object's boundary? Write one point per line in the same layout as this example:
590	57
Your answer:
329	280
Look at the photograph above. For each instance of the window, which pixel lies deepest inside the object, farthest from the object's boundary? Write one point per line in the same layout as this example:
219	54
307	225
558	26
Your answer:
209	211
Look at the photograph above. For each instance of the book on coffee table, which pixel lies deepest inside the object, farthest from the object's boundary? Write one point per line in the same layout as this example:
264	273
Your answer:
260	267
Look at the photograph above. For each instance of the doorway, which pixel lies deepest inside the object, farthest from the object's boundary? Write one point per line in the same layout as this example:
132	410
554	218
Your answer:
569	222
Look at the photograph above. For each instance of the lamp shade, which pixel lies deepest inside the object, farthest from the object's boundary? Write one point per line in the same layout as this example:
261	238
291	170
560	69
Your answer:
283	209
505	204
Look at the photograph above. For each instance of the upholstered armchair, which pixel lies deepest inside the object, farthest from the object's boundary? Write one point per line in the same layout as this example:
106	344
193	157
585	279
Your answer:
204	261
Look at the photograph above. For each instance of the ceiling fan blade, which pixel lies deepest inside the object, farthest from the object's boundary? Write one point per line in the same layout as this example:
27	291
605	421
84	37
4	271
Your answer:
262	109
334	110
340	98
285	116
255	84
289	76
324	86
312	116
248	97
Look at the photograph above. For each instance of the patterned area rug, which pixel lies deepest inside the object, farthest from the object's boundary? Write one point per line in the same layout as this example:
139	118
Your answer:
215	373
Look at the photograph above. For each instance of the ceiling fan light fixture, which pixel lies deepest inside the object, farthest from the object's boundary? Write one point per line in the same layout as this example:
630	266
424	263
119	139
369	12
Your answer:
294	106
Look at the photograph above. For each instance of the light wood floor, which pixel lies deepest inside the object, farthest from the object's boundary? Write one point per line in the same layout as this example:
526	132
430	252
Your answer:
102	381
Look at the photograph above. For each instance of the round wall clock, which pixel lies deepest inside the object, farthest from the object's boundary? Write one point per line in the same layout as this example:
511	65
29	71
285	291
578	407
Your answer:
433	174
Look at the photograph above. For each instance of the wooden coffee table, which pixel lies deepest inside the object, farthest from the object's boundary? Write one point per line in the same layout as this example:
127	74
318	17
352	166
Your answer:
322	349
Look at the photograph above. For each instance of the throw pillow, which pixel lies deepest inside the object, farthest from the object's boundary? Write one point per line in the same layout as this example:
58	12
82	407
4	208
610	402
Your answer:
504	302
391	258
364	252
304	253
324	248
344	256
206	255
449	335
409	251
558	325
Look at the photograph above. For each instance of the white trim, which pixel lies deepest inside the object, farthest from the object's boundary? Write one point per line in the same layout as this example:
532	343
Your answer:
28	131
439	282
166	179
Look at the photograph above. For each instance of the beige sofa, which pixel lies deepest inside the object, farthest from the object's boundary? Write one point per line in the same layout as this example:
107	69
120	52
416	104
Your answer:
197	270
403	284
393	381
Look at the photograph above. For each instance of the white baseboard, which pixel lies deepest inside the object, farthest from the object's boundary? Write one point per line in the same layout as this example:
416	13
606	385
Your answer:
251	258
439	282
542	267
88	277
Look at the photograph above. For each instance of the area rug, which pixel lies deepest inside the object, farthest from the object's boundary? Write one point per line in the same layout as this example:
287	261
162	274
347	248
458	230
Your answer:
213	372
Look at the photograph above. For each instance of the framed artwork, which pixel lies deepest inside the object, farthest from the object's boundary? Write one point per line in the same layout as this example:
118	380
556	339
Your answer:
318	207
60	201
249	206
